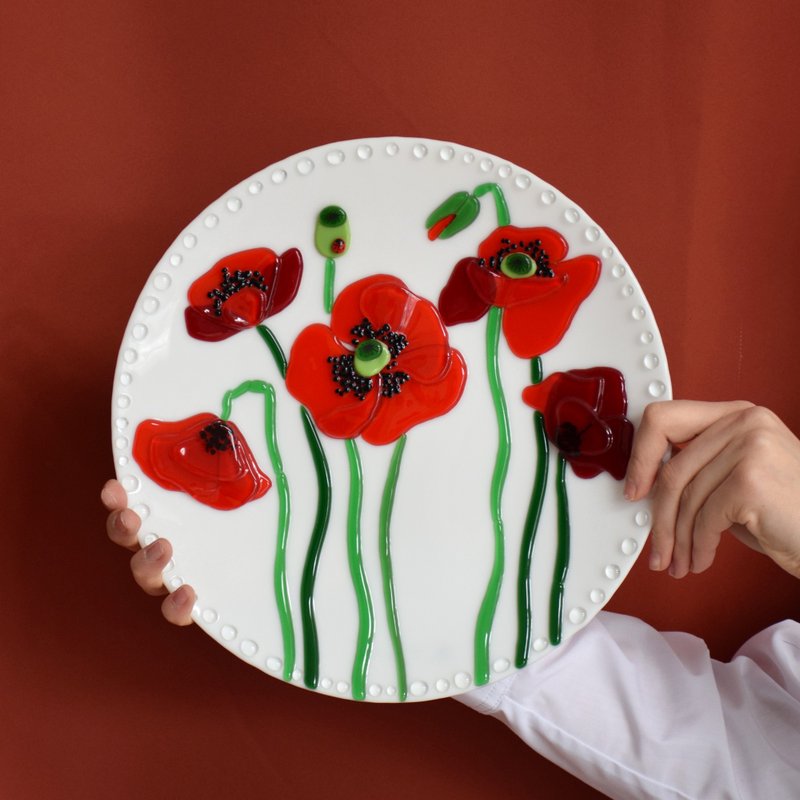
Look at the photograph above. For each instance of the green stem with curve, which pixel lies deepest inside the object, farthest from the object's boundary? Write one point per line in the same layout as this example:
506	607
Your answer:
387	503
321	521
500	205
530	528
562	553
483	628
280	583
323	515
366	619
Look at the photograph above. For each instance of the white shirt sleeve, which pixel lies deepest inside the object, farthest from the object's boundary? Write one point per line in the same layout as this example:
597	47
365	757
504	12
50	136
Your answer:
640	714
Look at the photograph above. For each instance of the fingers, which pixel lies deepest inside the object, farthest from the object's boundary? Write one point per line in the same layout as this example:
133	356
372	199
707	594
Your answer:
177	607
122	526
683	487
671	422
114	496
148	564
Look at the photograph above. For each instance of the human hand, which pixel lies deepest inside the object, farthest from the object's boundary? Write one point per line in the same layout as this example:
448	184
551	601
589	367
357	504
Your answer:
738	468
147	563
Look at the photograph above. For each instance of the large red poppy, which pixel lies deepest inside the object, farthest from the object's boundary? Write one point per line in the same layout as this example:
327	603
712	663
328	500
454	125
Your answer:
204	456
584	416
383	365
523	271
241	291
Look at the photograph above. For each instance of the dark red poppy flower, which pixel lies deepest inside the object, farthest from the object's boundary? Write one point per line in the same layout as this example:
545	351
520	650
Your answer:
204	456
584	416
383	365
523	271
241	291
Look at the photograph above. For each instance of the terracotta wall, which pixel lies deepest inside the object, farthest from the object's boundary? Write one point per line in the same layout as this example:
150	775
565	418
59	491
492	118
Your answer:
675	124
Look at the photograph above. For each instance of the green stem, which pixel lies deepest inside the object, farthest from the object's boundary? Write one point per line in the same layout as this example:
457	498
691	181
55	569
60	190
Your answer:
387	502
327	292
281	587
562	552
310	639
500	205
531	526
485	619
275	348
366	621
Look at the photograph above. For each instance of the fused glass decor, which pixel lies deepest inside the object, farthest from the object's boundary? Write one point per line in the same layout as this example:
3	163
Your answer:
381	397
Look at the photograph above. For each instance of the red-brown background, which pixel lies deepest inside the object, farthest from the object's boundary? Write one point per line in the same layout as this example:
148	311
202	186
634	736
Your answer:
675	124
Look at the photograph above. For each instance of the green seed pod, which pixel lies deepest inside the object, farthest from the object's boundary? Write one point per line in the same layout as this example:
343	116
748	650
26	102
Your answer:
371	356
332	234
518	265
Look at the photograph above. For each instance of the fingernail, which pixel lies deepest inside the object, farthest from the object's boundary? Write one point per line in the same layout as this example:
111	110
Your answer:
630	489
672	570
154	551
655	561
179	598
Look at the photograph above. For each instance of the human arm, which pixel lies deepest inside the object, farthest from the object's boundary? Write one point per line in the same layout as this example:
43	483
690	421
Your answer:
738	468
640	714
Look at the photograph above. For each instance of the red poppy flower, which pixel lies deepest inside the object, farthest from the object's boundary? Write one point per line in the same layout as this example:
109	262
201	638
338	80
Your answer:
241	291
383	365
584	416
204	456
523	271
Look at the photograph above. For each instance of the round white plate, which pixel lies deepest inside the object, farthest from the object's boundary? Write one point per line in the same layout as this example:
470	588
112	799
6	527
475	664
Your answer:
443	539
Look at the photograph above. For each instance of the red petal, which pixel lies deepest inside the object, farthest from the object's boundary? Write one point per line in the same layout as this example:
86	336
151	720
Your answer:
247	308
417	402
308	379
460	301
174	456
538	395
436	229
536	326
350	308
427	355
260	259
552	242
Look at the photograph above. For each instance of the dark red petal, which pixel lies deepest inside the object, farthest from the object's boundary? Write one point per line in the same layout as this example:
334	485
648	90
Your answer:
615	460
286	280
459	300
592	434
204	324
417	402
309	381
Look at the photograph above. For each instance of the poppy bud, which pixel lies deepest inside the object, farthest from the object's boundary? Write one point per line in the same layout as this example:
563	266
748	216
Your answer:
456	213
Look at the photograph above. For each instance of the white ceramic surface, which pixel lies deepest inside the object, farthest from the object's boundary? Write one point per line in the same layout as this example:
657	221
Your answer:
442	540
